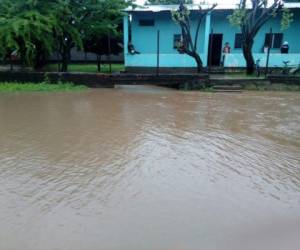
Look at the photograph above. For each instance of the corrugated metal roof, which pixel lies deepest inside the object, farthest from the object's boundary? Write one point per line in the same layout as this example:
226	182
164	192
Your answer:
160	8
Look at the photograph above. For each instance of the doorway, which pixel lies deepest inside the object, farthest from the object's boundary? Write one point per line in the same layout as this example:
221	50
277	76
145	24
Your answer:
215	49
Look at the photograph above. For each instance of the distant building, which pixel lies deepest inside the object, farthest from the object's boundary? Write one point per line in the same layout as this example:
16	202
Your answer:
142	23
78	56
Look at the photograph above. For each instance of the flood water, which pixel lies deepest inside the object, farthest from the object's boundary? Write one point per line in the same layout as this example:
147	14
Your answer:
141	168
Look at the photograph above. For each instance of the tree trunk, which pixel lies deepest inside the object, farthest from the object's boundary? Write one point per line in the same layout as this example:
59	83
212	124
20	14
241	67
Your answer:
247	51
198	61
197	58
99	63
65	59
40	57
64	63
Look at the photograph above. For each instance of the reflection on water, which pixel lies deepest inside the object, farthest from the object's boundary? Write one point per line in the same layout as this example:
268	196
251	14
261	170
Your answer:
146	168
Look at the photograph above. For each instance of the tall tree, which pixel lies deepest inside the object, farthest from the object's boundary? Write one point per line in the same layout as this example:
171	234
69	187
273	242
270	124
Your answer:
188	45
251	18
33	29
30	28
93	19
26	27
105	25
103	45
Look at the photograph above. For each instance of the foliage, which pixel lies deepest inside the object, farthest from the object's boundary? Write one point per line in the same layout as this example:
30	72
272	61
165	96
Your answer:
188	45
102	30
287	19
24	25
34	29
100	45
250	20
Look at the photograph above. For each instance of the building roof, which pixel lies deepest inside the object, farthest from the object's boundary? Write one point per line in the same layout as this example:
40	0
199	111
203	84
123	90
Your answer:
161	8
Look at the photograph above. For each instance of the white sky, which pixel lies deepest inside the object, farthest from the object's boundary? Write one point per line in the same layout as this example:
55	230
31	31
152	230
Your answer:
197	1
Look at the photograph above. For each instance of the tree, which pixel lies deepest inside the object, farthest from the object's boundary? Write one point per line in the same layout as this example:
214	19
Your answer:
102	45
71	17
34	29
188	44
154	2
25	28
103	26
250	20
31	28
93	19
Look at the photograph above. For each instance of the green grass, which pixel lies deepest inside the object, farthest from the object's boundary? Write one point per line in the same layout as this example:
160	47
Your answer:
208	90
89	68
272	87
40	87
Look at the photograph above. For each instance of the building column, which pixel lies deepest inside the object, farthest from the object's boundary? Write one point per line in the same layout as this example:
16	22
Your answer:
125	34
206	38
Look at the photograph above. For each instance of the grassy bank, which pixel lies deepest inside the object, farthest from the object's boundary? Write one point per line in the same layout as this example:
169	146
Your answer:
40	87
90	68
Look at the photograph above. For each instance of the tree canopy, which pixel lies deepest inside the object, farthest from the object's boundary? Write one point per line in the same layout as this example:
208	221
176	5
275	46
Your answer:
189	41
33	29
250	21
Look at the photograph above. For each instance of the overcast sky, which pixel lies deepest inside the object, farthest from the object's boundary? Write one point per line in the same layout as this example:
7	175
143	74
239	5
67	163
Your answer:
211	1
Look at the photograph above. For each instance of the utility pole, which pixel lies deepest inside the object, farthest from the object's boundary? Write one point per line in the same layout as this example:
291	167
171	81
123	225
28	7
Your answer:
210	50
158	52
109	52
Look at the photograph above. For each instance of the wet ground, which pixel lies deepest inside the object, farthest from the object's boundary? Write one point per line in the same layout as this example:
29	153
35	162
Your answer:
140	168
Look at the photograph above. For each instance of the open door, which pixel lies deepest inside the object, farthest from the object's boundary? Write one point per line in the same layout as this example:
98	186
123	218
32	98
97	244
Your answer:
215	49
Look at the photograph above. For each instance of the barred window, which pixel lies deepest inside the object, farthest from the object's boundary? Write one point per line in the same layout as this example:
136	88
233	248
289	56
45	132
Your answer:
176	40
238	42
275	40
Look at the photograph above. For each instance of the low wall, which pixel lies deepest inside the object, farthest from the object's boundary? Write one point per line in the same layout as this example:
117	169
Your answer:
284	79
165	70
180	81
235	60
90	80
175	60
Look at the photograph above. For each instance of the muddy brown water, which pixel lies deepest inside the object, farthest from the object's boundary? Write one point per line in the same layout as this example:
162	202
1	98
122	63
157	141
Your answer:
141	168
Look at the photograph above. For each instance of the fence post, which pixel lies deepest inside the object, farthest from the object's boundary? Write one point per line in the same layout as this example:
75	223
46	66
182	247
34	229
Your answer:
210	49
109	52
268	54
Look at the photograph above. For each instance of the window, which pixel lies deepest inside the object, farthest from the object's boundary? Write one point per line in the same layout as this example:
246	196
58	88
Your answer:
176	40
238	41
146	22
275	40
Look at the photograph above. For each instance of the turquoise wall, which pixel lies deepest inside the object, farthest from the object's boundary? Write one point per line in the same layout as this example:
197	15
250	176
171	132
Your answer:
275	60
144	40
220	24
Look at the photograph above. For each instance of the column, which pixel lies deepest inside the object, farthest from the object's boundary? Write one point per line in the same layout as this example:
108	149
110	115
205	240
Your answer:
125	34
206	38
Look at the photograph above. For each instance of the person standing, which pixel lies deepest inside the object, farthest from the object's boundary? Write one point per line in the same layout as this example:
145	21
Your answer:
226	50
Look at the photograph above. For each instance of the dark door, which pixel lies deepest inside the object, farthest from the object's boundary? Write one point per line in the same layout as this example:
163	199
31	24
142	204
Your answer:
215	49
